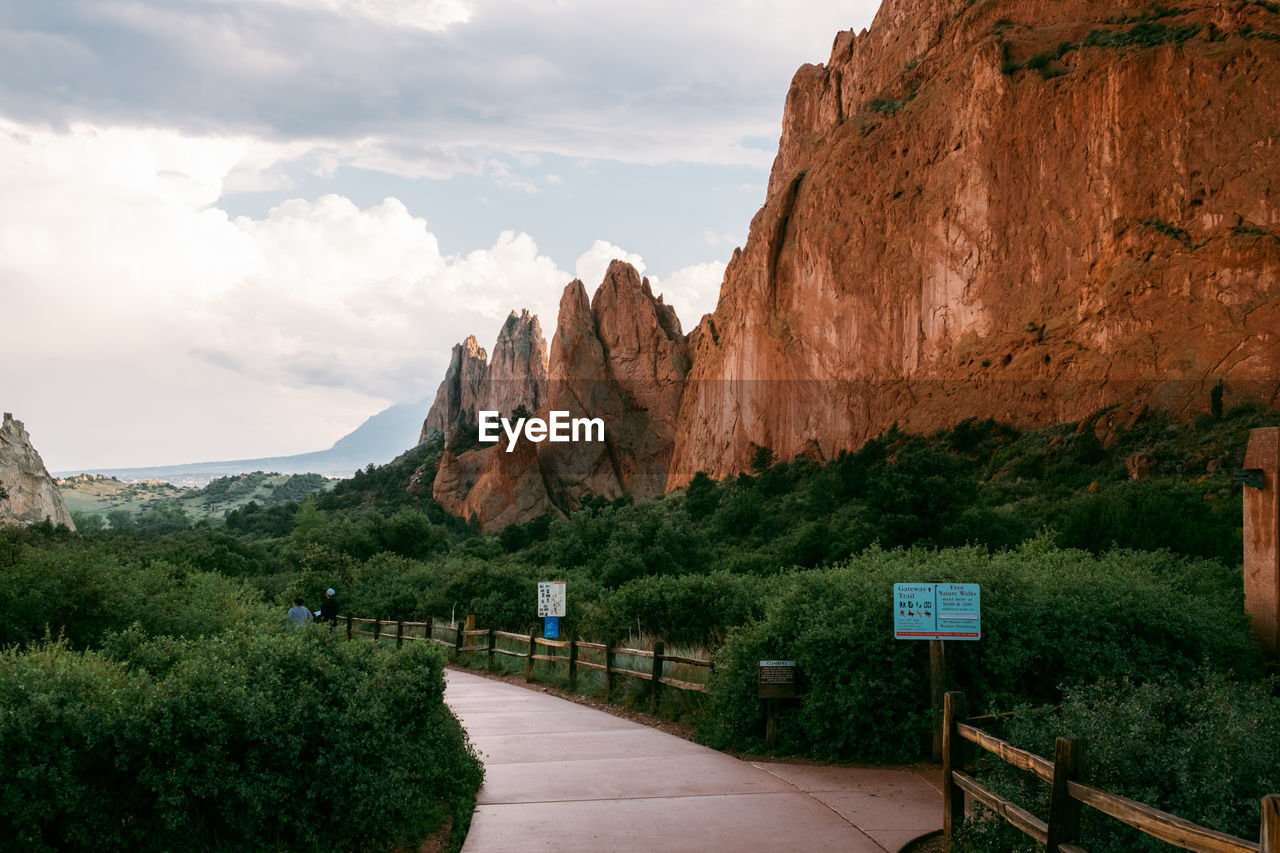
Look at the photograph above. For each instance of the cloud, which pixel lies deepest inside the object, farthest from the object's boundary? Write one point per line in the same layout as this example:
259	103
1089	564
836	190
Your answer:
429	15
141	302
692	291
427	88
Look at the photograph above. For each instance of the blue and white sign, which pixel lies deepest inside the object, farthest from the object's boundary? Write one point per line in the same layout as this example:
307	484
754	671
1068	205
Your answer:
943	611
551	598
551	627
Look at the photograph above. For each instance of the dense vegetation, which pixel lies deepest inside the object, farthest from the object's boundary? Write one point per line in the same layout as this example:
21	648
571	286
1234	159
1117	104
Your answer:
1108	553
175	710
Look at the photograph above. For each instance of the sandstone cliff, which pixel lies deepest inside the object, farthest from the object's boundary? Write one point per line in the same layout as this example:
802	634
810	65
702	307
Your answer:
1021	210
620	357
29	494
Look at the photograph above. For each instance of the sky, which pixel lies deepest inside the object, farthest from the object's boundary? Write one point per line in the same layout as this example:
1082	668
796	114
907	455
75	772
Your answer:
238	228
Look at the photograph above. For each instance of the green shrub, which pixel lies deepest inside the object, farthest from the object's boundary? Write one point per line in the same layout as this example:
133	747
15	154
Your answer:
279	740
1050	618
1203	748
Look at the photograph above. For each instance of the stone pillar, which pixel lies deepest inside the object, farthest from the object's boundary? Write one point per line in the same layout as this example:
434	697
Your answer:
1262	539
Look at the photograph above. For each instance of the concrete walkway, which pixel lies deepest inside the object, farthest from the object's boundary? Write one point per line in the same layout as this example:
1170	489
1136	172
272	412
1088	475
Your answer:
566	778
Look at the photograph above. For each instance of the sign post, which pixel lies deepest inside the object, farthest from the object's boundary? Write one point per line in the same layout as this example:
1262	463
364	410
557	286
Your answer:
775	681
937	612
551	601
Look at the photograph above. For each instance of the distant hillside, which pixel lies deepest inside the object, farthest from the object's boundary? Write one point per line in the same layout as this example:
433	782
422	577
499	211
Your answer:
378	440
90	494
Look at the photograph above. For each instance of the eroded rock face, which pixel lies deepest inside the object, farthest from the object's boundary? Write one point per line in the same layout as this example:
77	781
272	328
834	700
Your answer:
517	373
949	233
620	357
455	402
1019	210
29	494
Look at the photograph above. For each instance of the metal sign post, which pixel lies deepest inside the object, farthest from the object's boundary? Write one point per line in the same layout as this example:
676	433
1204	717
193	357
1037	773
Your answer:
937	612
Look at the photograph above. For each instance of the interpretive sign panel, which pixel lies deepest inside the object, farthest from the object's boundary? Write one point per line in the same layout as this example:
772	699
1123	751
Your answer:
943	611
776	679
551	627
551	598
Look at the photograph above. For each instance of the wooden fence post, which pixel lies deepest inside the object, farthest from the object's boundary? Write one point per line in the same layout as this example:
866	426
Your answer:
348	626
457	639
430	624
377	629
1269	837
953	710
573	664
1064	810
608	670
654	685
528	664
491	642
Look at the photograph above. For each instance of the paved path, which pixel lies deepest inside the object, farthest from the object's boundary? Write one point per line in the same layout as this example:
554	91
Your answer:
562	777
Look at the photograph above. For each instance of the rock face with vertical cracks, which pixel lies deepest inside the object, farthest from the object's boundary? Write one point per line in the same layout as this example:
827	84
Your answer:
28	494
621	358
1018	210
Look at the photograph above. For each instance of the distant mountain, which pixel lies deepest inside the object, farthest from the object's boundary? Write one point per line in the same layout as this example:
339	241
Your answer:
378	440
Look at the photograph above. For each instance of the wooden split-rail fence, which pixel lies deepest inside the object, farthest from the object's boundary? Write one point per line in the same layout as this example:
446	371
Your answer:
1068	794
460	640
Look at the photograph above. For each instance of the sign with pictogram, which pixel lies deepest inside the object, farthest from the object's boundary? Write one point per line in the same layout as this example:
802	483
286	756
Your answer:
942	611
551	598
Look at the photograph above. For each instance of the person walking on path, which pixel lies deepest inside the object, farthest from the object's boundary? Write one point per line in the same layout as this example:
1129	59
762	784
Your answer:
329	609
299	615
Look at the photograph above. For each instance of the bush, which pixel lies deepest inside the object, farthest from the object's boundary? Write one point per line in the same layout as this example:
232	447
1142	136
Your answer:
1050	619
1202	748
283	740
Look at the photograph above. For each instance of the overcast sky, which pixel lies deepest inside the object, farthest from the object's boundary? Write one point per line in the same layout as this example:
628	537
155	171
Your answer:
238	228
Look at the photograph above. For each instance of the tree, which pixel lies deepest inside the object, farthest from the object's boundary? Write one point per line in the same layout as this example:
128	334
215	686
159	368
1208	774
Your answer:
120	519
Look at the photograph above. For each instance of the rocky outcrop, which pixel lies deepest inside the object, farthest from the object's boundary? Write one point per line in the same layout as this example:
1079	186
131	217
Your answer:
1019	210
28	494
621	358
517	373
455	402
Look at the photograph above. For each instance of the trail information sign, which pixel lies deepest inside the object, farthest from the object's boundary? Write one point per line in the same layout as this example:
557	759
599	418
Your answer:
551	627
942	611
776	679
551	598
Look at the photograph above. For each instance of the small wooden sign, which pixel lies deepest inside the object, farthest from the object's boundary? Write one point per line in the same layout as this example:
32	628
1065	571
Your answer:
776	679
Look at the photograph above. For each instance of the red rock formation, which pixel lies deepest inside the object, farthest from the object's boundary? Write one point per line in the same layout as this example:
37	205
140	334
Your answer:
1019	210
517	373
456	398
950	232
621	358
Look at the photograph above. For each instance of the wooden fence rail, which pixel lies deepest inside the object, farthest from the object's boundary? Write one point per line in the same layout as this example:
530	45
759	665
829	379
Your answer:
1061	832
463	641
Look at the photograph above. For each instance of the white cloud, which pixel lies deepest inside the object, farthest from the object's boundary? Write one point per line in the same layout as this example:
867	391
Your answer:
593	263
195	335
430	88
429	15
692	290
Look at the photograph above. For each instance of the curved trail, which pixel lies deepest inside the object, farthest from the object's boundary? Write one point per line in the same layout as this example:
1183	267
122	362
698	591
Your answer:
565	778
